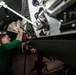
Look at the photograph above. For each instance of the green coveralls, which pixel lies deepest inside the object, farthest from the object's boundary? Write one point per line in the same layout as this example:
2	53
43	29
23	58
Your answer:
6	55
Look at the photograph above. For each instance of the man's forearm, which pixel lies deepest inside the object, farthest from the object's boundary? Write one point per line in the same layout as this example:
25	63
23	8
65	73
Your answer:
19	36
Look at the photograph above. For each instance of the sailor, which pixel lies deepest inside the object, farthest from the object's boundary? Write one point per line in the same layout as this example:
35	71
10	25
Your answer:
6	48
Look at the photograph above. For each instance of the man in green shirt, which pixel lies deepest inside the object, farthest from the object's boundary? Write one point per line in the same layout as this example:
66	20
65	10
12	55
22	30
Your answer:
6	51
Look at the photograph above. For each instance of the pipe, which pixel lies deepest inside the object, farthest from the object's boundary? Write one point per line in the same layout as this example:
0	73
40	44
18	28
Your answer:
2	4
20	15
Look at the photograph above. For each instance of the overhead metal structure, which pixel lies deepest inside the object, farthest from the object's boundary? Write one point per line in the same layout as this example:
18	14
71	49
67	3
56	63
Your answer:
6	16
62	47
15	5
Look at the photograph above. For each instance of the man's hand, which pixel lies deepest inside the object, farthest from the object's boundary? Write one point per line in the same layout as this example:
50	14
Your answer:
20	34
20	30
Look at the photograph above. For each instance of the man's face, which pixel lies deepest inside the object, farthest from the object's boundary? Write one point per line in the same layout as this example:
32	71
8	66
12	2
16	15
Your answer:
5	39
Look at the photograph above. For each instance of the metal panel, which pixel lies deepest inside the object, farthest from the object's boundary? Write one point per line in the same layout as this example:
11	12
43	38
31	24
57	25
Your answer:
57	2
63	49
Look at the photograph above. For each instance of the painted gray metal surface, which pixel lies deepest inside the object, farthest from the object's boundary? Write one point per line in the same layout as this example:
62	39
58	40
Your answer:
63	49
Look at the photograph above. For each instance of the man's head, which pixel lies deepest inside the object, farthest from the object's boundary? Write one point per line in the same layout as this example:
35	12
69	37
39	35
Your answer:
4	38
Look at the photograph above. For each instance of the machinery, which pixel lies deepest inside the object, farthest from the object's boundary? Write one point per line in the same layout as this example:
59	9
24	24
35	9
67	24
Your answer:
60	37
60	44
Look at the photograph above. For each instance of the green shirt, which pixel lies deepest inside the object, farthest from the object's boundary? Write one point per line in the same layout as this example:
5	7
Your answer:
6	55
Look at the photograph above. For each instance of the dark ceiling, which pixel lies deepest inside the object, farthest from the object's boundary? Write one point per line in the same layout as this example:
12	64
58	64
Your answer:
15	5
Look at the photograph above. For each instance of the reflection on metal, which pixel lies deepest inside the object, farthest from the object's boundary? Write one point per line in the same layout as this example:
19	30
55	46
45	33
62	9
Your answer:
57	2
60	7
